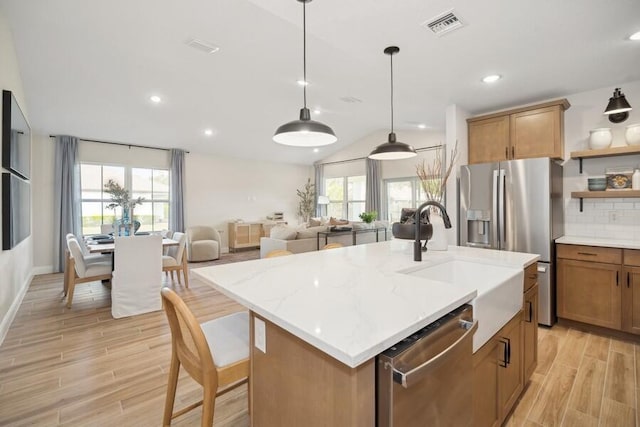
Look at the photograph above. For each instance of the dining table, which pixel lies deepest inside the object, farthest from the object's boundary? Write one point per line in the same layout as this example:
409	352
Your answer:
95	247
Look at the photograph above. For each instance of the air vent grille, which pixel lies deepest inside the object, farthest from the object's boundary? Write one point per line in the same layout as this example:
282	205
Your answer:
203	45
443	23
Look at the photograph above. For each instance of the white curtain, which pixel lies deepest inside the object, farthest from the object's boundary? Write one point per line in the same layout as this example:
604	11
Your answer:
320	188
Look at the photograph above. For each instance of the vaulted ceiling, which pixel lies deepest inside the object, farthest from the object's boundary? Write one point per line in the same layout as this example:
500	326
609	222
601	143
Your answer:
89	68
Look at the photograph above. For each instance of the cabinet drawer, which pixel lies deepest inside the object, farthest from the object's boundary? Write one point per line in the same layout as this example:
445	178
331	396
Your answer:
590	253
530	276
632	257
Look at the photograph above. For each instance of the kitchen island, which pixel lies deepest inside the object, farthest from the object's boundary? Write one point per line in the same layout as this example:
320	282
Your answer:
320	318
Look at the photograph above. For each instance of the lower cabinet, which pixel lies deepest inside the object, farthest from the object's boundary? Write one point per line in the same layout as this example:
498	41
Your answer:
530	331
244	235
498	376
599	286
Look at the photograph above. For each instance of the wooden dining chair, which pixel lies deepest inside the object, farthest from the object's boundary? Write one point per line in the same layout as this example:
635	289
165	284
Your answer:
215	354
88	258
333	246
80	271
278	252
176	259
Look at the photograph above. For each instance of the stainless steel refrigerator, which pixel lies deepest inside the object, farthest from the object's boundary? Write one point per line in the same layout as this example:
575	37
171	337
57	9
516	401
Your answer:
515	205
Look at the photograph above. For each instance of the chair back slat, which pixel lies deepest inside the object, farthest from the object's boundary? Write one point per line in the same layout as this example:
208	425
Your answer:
177	251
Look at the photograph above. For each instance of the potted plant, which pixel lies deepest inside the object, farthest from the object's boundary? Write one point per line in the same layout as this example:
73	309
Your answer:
120	197
306	204
368	217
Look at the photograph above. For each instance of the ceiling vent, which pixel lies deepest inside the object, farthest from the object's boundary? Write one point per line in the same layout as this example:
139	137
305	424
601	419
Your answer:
443	23
203	45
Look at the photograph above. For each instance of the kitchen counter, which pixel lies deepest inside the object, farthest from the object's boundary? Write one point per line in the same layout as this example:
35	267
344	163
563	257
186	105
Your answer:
599	241
353	303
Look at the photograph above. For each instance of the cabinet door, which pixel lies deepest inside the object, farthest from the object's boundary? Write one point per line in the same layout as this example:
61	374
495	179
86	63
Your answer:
489	140
631	300
243	233
537	133
530	324
589	292
510	377
486	412
255	232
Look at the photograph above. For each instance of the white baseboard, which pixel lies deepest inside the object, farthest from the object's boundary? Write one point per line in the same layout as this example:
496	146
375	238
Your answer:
43	269
13	310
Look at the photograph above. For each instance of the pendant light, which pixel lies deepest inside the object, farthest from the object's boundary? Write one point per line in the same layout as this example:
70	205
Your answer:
392	149
618	108
304	132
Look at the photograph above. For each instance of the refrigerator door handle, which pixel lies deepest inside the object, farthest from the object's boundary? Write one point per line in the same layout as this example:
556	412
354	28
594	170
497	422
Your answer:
495	220
502	217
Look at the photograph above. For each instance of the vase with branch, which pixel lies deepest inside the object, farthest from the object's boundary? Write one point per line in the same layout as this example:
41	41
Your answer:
306	204
433	176
433	179
120	198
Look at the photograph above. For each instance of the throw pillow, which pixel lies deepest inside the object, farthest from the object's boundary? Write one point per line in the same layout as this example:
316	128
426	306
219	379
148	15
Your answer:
314	222
282	232
334	221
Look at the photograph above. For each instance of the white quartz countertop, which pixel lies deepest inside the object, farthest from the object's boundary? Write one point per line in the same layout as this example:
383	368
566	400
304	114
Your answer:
354	302
599	241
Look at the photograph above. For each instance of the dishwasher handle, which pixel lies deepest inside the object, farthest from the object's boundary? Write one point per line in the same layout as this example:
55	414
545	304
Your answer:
406	379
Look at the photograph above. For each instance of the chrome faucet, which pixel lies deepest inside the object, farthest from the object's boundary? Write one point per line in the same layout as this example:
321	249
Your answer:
417	246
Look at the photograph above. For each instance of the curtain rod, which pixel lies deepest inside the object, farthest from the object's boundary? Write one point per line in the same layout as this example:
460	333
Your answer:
433	147
122	144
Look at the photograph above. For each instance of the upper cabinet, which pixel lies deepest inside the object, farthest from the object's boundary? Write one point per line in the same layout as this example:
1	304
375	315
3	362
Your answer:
521	133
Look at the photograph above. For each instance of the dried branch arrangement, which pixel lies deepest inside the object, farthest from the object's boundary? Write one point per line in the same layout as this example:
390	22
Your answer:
434	176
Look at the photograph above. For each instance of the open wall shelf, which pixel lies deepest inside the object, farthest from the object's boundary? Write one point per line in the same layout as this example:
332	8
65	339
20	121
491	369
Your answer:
620	194
605	152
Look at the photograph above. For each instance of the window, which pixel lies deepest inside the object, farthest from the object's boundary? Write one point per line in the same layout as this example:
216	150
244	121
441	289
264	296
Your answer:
152	184
346	196
402	193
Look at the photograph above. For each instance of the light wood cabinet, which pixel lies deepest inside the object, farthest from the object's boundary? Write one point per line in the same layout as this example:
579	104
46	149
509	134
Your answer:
599	286
521	133
510	372
631	292
486	412
244	235
530	331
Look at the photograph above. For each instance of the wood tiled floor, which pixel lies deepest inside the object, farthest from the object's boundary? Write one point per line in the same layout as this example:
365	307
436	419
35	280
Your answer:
82	367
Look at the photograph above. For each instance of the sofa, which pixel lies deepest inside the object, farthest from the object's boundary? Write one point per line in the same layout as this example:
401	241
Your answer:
304	238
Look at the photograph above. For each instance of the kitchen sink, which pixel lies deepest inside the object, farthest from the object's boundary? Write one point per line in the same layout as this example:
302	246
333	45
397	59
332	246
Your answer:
499	291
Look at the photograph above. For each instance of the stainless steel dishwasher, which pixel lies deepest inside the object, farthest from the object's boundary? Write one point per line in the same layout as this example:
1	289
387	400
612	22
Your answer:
426	379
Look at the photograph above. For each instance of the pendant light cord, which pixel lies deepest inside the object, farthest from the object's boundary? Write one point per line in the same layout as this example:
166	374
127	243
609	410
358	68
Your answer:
304	51
391	56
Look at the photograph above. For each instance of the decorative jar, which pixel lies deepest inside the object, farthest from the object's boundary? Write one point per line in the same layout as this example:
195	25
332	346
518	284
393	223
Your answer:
632	134
600	138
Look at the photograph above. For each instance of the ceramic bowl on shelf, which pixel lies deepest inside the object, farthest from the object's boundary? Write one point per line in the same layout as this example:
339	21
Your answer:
600	138
632	134
597	184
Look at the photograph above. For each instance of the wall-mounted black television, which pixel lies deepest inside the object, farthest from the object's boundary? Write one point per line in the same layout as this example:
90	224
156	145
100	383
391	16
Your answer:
16	137
16	210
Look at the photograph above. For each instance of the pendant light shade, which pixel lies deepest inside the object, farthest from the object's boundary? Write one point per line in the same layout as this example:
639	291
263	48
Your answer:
304	132
618	108
392	149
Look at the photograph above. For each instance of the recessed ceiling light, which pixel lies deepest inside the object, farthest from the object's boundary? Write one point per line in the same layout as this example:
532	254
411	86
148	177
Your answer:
492	78
315	150
208	132
635	36
155	99
422	126
316	111
303	82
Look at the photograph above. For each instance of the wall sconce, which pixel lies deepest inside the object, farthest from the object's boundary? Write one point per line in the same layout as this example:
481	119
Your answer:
618	108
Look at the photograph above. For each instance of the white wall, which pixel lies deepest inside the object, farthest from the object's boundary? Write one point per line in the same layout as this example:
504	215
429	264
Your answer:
456	123
597	218
15	265
220	190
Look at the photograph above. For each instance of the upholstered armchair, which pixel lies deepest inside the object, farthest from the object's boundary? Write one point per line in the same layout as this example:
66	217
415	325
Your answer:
203	243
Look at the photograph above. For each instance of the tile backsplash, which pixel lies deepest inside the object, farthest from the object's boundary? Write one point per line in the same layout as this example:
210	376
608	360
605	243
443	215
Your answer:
613	218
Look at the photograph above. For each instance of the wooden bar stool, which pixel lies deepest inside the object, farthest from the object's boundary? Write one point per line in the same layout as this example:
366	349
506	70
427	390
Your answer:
333	246
278	252
215	354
